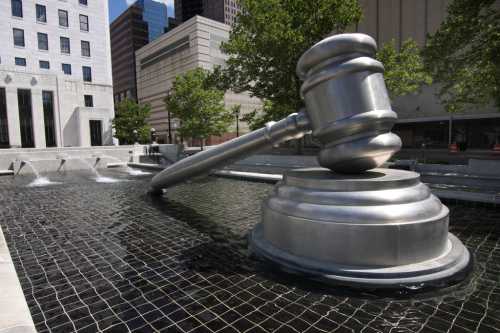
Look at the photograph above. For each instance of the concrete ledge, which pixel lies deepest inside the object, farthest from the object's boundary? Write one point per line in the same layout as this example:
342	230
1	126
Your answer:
147	166
6	172
15	315
489	198
116	165
253	176
473	196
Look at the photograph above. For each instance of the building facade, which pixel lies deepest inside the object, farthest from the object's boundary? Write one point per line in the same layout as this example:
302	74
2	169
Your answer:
195	43
224	11
155	14
422	119
55	74
141	23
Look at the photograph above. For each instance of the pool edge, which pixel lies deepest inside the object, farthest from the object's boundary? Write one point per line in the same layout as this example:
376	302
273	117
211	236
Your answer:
15	315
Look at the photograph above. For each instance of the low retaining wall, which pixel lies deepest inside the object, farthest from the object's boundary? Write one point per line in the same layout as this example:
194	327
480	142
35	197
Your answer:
51	159
286	161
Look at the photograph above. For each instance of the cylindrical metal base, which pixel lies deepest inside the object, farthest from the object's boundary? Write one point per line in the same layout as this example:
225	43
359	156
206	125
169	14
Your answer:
380	228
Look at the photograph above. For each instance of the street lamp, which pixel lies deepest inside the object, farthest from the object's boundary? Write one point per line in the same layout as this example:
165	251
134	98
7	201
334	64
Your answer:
135	136
236	113
168	119
153	133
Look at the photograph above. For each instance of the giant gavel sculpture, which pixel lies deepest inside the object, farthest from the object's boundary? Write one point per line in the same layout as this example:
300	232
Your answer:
348	221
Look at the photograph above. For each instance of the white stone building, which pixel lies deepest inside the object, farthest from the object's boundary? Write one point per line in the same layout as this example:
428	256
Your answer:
195	43
55	73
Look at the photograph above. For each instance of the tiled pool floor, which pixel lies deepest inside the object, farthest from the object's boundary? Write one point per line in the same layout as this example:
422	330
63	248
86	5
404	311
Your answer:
95	257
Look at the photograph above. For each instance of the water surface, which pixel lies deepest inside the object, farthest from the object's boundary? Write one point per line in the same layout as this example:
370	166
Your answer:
95	257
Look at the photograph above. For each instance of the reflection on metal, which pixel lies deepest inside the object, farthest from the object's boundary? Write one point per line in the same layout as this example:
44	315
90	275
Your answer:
292	127
348	104
348	222
382	227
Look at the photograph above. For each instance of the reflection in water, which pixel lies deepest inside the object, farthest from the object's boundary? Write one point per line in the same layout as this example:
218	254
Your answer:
42	181
136	172
100	257
102	179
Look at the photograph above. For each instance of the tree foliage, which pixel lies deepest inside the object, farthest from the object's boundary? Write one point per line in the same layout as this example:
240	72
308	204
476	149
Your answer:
198	105
267	41
464	55
404	69
131	116
258	118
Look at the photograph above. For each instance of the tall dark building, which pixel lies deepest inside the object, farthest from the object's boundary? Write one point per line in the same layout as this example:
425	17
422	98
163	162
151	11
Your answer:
140	24
224	11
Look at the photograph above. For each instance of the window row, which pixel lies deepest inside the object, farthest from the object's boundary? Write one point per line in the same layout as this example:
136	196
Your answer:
41	14
66	68
43	42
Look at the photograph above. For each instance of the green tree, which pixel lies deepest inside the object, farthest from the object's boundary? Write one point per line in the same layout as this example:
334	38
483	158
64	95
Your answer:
404	69
267	41
198	105
464	55
258	118
131	116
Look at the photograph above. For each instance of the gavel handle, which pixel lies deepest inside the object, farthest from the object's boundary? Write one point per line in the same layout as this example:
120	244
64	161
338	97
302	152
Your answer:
292	127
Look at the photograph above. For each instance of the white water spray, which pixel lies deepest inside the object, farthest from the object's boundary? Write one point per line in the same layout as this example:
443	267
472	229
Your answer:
98	177
39	180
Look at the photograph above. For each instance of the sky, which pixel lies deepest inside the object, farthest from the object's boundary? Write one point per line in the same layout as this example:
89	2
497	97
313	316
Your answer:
116	7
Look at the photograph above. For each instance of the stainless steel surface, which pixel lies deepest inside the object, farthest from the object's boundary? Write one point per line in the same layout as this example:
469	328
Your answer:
383	217
348	110
383	224
348	221
452	265
294	126
347	103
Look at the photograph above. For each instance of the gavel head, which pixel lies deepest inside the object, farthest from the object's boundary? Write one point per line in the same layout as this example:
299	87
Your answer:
347	103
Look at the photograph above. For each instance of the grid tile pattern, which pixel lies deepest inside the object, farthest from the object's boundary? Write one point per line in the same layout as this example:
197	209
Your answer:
108	258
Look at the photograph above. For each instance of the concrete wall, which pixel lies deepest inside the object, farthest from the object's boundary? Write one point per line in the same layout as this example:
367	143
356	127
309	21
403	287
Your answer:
68	90
401	19
49	159
385	20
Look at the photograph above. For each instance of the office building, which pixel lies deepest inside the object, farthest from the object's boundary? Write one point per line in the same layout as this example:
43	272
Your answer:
224	11
55	74
140	24
155	14
422	119
195	43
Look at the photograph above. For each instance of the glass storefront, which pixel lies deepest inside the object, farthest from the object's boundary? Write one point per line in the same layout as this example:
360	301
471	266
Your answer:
466	133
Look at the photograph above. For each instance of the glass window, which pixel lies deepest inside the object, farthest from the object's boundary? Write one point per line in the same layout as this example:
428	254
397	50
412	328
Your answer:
63	18
65	45
4	127
20	61
44	64
89	101
41	13
66	68
48	118
17	8
83	2
18	37
85	48
87	74
43	41
84	22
